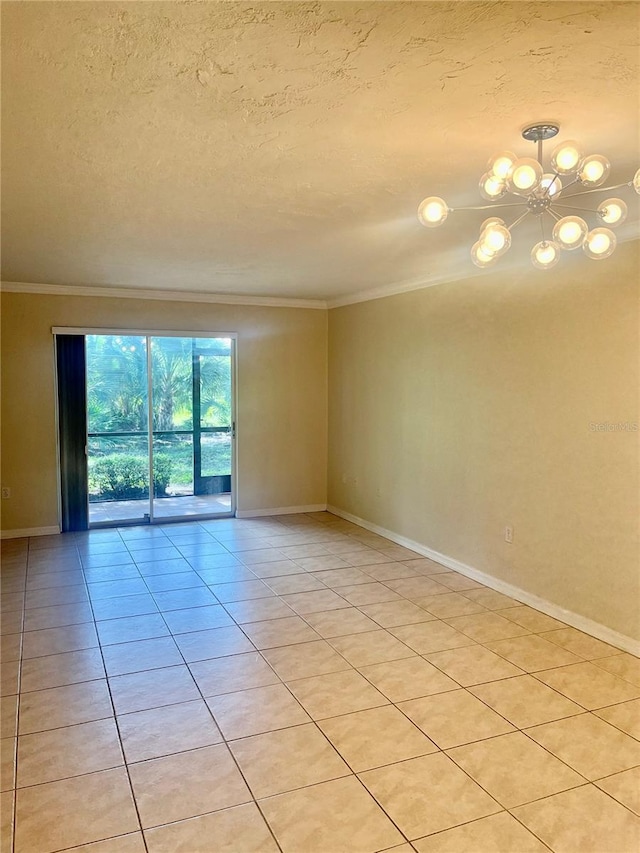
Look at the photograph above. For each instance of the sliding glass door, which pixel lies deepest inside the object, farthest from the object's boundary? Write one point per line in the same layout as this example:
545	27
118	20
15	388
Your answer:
159	427
117	428
191	380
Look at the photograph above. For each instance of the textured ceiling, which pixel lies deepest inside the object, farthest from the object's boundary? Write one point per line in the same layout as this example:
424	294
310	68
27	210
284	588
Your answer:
281	149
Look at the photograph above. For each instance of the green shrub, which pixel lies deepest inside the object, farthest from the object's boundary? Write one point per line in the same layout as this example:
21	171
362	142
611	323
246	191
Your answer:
120	477
162	469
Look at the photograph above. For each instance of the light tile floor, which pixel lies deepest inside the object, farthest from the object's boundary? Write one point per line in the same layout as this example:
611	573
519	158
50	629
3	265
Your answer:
299	684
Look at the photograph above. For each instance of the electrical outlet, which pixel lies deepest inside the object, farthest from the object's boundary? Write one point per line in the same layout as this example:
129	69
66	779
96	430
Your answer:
6	492
508	534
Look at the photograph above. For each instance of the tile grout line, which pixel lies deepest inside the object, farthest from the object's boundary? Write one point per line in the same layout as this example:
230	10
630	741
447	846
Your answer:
203	699
117	726
18	705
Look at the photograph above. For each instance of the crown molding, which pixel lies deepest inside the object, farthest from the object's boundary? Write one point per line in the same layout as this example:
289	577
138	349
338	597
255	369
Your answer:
396	289
264	301
381	292
100	291
162	295
628	236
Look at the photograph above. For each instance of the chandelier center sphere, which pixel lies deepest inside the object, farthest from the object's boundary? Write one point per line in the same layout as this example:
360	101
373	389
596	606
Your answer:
537	206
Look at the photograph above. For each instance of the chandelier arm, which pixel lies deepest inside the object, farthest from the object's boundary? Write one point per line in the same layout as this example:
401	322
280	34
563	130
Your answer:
489	206
600	189
554	215
518	220
576	207
570	184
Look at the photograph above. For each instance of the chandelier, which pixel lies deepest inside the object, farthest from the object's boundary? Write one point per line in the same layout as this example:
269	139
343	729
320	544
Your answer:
542	194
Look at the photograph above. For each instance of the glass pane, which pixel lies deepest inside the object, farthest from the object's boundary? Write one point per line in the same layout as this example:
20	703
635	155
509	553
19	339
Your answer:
213	346
172	382
215	391
216	455
117	444
118	468
172	465
116	383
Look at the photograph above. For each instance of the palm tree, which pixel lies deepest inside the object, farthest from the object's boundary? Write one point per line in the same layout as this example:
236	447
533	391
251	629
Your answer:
171	369
116	383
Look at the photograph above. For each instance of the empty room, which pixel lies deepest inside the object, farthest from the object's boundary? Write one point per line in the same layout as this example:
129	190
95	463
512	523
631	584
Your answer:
320	385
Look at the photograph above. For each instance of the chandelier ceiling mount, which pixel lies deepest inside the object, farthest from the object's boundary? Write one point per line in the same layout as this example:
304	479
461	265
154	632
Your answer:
540	132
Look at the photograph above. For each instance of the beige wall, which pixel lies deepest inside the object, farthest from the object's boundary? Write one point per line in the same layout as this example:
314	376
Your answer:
281	404
457	410
454	411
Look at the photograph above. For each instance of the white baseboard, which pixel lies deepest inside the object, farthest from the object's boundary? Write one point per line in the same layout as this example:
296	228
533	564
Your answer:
582	623
29	531
279	510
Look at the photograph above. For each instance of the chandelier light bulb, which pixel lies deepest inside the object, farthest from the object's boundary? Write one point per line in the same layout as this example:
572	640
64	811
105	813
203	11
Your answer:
525	175
492	220
570	232
566	157
599	244
492	187
550	186
613	211
545	255
636	182
594	170
433	211
501	163
480	257
495	240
